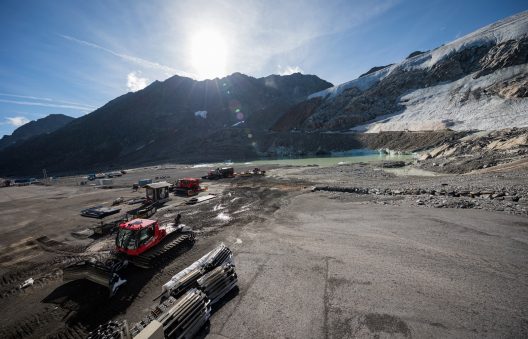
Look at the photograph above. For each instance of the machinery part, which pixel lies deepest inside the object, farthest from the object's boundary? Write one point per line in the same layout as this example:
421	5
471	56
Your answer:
99	212
105	274
111	330
218	282
217	257
168	249
186	282
180	318
144	211
220	255
154	330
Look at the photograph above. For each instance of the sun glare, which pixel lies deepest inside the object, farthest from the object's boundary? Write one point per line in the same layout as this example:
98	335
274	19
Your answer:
209	54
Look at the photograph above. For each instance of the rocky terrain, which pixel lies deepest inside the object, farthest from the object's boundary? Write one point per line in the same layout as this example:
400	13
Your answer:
478	150
504	191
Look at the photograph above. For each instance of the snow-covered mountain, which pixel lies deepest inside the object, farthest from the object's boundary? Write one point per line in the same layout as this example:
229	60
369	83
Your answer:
479	81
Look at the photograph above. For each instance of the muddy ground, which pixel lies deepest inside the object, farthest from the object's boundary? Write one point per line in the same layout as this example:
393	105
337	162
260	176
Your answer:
310	263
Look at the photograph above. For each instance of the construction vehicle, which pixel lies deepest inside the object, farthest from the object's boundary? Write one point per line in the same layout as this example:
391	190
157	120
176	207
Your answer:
220	173
188	187
254	172
141	242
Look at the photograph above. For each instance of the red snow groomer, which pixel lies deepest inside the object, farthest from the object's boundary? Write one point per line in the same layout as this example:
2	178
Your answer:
188	187
141	242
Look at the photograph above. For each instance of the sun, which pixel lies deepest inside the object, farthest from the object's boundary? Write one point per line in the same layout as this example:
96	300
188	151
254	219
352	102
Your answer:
208	54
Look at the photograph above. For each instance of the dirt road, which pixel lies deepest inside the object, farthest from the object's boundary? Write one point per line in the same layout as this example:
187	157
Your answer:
327	268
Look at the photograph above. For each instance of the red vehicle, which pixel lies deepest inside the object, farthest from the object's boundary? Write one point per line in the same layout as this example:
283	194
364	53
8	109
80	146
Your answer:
188	187
139	235
142	242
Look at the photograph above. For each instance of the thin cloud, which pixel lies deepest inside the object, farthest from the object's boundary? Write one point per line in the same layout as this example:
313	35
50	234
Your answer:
17	121
290	70
133	59
135	82
47	100
44	104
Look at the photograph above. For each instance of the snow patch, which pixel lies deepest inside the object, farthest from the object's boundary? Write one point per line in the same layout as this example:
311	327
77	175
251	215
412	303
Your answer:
513	27
443	106
202	165
218	207
223	216
201	114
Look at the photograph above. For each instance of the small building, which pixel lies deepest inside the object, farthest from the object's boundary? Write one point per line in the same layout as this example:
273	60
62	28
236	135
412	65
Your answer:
158	192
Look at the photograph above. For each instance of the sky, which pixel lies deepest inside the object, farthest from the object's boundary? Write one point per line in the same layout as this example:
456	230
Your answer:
71	57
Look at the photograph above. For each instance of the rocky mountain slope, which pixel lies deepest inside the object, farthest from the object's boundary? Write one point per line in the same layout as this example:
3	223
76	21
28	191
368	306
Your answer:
37	127
476	151
167	120
479	81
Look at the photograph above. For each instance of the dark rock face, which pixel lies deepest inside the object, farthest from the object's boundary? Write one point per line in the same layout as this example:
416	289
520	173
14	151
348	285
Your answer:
161	122
415	53
45	125
509	53
375	69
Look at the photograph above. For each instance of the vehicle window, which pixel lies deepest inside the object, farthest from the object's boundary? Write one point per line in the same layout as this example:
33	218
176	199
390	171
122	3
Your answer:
150	194
145	235
126	239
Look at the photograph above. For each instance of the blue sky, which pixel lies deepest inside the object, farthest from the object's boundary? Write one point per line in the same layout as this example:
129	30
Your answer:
73	56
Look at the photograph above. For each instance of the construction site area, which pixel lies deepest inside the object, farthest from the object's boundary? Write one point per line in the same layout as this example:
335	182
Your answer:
182	251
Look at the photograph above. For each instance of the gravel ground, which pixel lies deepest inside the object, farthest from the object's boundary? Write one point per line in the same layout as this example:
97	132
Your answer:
360	258
496	191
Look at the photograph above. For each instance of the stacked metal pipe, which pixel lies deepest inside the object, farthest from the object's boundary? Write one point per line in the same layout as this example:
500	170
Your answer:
218	282
180	318
217	257
220	255
185	308
153	314
186	282
187	316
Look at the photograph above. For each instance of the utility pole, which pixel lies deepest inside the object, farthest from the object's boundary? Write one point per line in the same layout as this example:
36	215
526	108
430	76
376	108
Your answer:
44	176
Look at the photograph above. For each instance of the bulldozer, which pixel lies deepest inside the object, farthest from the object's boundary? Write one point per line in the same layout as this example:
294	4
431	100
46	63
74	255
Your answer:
141	242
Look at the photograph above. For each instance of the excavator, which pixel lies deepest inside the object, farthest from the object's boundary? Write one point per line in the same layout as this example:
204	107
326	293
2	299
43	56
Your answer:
141	242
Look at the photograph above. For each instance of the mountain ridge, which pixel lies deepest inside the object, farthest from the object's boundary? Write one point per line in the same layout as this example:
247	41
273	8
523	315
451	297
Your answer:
160	122
45	125
459	85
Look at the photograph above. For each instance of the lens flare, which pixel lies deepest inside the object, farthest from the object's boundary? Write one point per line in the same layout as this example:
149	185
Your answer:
209	54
